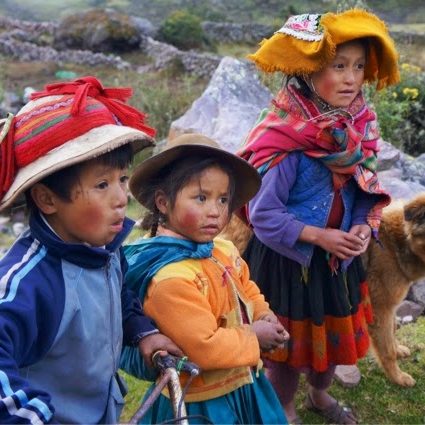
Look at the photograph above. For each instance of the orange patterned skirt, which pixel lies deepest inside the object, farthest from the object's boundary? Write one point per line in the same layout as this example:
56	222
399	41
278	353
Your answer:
325	314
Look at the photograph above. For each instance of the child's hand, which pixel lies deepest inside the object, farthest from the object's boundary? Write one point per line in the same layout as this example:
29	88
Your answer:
364	232
157	342
269	317
342	244
270	335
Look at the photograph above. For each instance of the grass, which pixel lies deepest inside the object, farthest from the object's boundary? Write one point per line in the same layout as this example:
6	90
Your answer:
164	95
419	28
375	399
238	51
51	9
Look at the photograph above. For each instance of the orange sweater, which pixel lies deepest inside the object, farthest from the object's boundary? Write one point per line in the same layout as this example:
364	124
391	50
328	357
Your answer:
195	303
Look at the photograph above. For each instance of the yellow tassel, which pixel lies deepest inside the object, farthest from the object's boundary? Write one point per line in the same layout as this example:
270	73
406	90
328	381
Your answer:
304	274
344	276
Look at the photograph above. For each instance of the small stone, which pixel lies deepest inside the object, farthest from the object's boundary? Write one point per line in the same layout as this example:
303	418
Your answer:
347	375
4	220
18	228
407	319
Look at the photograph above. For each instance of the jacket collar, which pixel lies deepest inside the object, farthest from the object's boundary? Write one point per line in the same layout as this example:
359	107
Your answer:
80	254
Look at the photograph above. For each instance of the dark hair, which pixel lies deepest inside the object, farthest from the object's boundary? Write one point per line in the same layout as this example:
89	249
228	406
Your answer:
171	181
63	181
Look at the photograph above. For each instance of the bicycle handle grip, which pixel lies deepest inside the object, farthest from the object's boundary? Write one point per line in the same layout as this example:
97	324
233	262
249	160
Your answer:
164	361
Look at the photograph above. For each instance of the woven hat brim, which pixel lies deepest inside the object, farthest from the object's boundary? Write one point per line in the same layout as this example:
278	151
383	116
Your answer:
296	56
248	181
94	143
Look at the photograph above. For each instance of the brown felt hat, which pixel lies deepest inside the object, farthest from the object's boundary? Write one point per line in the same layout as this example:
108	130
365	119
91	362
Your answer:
248	181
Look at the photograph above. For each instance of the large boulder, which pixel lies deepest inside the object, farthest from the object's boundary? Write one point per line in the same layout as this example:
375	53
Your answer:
99	30
228	107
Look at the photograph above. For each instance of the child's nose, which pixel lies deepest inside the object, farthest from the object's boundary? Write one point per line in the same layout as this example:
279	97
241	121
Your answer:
214	209
120	196
350	76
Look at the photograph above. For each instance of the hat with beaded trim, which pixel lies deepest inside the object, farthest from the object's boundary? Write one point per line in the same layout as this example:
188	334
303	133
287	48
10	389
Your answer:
63	125
306	43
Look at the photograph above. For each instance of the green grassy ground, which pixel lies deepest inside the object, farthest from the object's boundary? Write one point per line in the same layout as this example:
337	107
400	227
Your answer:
375	399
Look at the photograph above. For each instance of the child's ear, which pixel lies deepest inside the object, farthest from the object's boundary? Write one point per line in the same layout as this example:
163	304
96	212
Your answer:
43	197
161	201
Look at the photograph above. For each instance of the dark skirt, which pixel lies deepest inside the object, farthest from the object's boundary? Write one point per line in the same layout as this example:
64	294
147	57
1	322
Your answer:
326	314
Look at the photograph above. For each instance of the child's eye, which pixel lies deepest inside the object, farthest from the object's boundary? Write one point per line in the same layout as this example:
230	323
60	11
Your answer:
360	66
224	200
124	179
102	185
339	66
201	198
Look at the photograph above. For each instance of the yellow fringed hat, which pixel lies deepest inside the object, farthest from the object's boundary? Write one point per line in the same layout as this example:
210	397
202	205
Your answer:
306	43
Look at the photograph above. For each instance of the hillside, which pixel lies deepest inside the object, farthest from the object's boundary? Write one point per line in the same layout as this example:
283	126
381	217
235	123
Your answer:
264	11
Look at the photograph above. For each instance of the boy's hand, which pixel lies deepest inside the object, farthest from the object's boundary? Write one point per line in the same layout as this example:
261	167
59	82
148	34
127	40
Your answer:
270	335
157	342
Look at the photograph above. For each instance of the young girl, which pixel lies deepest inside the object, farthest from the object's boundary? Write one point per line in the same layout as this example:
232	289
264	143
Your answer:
320	200
197	288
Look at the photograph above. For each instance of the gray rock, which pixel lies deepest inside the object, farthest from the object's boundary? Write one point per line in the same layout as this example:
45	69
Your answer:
388	156
18	228
393	182
347	375
228	32
99	30
409	311
417	293
163	54
414	169
229	106
144	26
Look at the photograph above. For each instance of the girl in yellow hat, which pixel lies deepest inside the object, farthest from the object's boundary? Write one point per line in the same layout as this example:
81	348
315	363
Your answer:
320	201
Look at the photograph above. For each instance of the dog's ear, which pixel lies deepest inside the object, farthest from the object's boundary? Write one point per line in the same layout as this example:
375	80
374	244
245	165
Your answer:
415	210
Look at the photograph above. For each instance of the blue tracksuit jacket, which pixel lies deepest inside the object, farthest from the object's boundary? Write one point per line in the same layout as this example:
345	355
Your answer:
64	314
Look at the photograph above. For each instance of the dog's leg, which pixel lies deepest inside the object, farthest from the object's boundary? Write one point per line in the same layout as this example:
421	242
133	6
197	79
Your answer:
402	350
385	347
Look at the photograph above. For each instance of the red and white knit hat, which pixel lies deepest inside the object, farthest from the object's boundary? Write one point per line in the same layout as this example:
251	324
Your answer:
63	125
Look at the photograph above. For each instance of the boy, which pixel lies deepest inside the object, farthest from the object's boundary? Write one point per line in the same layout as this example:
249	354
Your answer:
64	311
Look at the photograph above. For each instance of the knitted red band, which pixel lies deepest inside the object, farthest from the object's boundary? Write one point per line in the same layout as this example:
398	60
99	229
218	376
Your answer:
84	104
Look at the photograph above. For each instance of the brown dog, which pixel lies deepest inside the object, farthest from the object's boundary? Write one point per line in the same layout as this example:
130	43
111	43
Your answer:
391	270
392	267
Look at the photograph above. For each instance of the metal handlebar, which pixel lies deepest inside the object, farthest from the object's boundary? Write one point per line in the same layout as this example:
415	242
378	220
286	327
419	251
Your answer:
169	367
164	361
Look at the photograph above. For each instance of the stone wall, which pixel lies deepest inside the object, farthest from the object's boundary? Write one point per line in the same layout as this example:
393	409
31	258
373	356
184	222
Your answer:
236	33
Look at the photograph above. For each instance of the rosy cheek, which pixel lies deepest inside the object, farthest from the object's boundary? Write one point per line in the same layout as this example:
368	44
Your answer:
328	86
91	217
189	218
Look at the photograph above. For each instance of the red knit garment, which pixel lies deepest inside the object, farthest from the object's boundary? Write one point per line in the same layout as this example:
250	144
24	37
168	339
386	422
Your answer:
84	104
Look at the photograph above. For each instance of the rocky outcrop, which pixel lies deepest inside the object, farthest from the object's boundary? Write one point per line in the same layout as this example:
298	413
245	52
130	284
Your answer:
28	52
163	55
65	43
98	30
